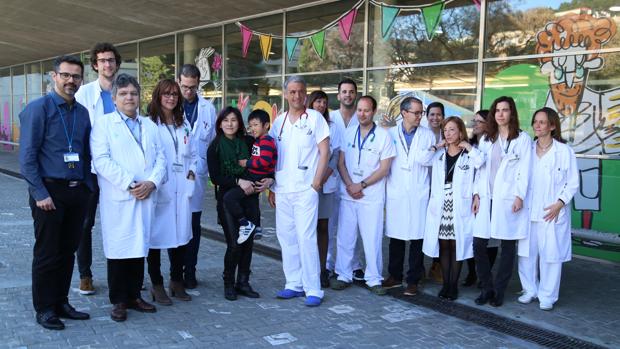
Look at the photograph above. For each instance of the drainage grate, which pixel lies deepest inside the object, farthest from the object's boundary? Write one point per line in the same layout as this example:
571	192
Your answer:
495	322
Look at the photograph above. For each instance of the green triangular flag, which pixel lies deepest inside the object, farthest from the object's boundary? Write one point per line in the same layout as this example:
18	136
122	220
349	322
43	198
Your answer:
431	15
388	15
291	44
318	43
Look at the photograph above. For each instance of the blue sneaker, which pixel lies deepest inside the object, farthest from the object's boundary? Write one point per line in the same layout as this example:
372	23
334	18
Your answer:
313	301
258	233
288	294
245	231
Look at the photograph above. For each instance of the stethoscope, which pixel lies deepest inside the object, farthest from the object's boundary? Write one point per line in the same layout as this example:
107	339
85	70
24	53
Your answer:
360	142
301	117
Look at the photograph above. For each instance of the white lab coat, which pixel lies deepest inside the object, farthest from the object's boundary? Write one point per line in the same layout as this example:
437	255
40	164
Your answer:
202	134
408	190
172	225
378	146
462	196
335	135
561	183
89	96
119	160
511	181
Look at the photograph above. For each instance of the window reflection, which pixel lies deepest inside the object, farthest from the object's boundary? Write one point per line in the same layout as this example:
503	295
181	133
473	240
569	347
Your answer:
455	37
156	63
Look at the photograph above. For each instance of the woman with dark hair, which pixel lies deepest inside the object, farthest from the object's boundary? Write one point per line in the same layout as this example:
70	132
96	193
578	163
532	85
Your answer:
553	183
318	101
230	145
479	130
499	201
172	223
450	218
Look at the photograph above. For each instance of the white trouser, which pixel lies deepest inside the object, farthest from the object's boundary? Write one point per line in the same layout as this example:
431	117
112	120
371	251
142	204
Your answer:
538	278
331	247
368	218
296	218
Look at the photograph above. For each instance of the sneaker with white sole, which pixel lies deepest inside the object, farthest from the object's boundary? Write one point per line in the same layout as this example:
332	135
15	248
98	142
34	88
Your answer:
245	231
546	306
86	286
526	298
358	275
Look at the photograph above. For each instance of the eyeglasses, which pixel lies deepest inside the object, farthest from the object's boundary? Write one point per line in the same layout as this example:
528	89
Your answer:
416	113
479	121
106	60
66	76
170	94
189	88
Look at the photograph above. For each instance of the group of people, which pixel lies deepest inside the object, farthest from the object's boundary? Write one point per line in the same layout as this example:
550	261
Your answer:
336	179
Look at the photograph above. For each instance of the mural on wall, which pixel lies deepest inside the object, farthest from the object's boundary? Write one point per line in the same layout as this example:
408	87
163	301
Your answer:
5	128
590	119
210	73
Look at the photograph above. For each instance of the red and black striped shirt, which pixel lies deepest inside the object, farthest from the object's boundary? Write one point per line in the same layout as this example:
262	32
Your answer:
264	156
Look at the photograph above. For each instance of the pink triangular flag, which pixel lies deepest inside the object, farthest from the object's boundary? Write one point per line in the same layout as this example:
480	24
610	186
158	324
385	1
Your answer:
345	24
246	35
477	2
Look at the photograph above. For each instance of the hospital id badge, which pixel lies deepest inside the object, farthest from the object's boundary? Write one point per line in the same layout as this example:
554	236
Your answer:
358	172
176	167
71	157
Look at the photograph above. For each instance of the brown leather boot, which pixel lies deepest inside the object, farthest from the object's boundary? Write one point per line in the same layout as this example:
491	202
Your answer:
177	290
158	292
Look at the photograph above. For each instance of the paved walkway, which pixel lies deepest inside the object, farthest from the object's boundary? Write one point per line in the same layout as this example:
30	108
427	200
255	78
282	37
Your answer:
589	308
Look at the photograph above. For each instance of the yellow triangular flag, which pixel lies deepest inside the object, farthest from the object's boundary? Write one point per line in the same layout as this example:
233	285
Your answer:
265	45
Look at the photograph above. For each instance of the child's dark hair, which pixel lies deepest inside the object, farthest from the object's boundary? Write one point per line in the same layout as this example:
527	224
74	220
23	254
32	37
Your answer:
260	115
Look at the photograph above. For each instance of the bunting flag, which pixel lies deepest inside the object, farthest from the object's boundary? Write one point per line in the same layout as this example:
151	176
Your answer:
345	24
291	44
265	45
246	35
477	2
388	15
318	43
431	15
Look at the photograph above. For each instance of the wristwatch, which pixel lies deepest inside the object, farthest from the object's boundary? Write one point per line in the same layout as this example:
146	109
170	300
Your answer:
364	184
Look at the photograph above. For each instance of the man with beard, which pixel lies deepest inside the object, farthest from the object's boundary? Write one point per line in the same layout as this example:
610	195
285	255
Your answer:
344	118
54	158
97	98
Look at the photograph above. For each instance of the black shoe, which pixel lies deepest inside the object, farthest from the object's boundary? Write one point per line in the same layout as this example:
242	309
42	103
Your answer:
484	297
358	275
469	280
247	291
497	301
443	293
230	293
453	293
325	279
190	283
49	319
66	311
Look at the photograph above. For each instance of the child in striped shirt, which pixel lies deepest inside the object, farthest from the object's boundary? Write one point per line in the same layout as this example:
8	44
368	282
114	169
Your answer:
261	165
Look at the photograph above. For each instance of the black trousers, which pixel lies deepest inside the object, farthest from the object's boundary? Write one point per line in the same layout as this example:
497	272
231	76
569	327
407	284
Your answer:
57	235
176	256
125	279
483	265
397	259
237	257
236	204
85	249
191	249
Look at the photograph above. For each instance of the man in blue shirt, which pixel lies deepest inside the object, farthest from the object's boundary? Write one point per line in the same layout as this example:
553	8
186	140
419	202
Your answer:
96	96
54	157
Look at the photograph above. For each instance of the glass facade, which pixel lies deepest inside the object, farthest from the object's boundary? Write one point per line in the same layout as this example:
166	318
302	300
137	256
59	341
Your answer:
564	54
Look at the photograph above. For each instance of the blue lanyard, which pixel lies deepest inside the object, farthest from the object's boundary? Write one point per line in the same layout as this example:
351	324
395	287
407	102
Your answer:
64	125
358	135
138	142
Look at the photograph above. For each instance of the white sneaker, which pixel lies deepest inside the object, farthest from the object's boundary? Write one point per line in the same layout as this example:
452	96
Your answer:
546	306
245	232
526	298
